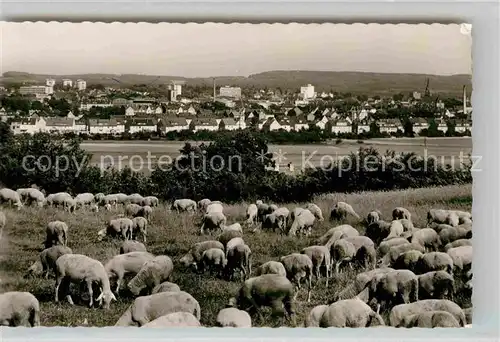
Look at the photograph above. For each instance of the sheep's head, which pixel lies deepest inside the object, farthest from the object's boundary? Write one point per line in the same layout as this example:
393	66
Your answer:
35	269
101	234
105	299
187	259
233	302
375	319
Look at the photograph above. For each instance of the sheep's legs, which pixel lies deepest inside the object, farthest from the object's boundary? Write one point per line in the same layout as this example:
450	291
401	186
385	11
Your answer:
58	284
91	293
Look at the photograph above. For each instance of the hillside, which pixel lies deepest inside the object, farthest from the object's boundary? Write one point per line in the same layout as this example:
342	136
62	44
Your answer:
355	82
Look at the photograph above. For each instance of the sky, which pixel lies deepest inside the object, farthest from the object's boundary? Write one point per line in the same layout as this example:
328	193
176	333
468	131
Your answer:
204	50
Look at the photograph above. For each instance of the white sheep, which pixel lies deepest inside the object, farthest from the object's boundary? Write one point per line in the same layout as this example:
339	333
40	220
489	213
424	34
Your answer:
335	233
463	216
396	229
19	309
320	256
364	278
451	234
48	258
299	266
213	259
400	311
135	199
350	313
140	225
436	285
121	225
408	260
263	209
251	215
56	232
313	208
11	197
213	221
437	216
271	267
341	210
152	273
435	261
111	200
226	236
458	243
145	211
427	238
233	243
80	268
193	256
392	286
166	286
184	205
342	251
145	309
31	195
132	209
235	226
395	251
401	213
430	319
239	257
84	199
302	224
150	201
233	318
107	207
214	207
452	219
373	216
132	246
121	264
121	199
202	204
461	257
279	219
174	320
384	246
314	316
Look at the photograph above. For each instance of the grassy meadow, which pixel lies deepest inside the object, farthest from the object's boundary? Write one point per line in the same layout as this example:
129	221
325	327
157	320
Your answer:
173	234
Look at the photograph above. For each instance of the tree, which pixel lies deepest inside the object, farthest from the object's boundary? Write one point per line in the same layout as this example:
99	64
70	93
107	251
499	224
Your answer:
408	128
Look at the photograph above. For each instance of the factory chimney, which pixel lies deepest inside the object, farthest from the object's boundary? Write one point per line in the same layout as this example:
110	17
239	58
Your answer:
464	100
214	88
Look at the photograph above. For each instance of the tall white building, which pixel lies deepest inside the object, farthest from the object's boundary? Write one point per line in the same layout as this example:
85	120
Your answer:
307	92
67	82
226	91
50	82
39	91
81	84
178	89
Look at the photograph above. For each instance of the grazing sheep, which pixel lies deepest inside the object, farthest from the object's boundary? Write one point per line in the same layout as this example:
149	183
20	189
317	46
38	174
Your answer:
122	199
273	207
436	285
335	233
373	216
463	216
233	243
145	309
384	246
452	219
213	259
281	216
121	264
341	210
234	227
395	230
270	221
314	316
393	286
263	210
132	209
48	258
214	207
294	213
271	267
226	236
193	256
430	319
11	197
233	318
145	211
239	257
122	225
407	225
395	252
451	234
458	243
202	204
19	309
427	238
151	274
342	251
435	261
132	246
140	225
80	268
166	286
315	210
135	199
320	256
379	230
31	195
401	213
107	207
174	320
299	266
150	201
84	199
365	250
364	278
461	257
56	233
213	221
438	227
437	216
408	260
184	205
252	212
266	290
398	312
350	313
302	223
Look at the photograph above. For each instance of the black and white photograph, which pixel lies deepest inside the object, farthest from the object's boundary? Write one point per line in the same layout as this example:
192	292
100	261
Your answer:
165	175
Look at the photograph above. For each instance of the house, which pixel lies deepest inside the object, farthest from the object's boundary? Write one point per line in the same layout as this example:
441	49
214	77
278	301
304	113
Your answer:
390	126
285	125
311	117
340	126
174	124
158	110
442	125
269	125
363	126
88	106
59	125
27	125
204	124
228	124
462	126
106	126
129	111
81	127
419	124
300	124
191	110
142	125
322	123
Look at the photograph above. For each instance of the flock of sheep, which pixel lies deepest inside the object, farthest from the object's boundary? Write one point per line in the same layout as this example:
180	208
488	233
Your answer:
413	273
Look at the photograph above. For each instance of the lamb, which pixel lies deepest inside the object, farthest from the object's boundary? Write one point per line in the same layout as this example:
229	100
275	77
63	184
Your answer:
315	210
298	266
385	246
213	259
252	212
314	316
427	238
84	199
31	195
132	246
401	213
271	267
151	274
436	285
174	320
387	287
430	319
319	255
11	197
166	286
458	243
202	204
80	268
132	209
140	225
302	223
341	210
233	318
239	257
213	221
145	309
56	232
461	257
19	309
121	225
121	264
398	312
408	260
48	258
266	290
150	201
235	227
435	261
184	205
214	207
395	251
226	236
373	216
350	313
193	256
335	233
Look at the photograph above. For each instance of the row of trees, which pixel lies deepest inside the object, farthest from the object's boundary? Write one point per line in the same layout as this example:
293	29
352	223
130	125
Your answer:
234	167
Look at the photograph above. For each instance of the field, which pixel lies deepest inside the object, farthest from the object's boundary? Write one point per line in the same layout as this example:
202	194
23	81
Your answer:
173	234
135	154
